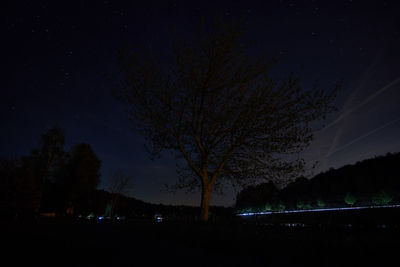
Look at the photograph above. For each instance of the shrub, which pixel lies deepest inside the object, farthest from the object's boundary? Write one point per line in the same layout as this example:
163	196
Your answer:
320	203
382	198
350	199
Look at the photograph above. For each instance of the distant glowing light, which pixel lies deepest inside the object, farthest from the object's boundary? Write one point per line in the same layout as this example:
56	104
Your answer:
158	217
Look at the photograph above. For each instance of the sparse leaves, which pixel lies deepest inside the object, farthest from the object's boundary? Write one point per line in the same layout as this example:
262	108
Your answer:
219	110
118	184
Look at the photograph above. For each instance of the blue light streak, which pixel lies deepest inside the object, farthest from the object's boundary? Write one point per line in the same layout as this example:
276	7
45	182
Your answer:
314	210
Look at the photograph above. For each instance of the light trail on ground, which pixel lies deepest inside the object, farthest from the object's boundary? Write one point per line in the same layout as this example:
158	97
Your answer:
314	210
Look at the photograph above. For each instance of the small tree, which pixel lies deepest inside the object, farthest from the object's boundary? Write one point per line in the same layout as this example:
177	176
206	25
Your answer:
350	199
300	204
320	203
382	198
267	207
118	185
280	206
307	205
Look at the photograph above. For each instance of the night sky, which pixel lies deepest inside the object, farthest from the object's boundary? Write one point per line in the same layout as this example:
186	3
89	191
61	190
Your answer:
55	55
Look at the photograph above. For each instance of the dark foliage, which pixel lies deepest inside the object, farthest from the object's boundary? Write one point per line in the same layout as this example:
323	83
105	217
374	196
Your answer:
371	181
78	177
19	193
49	179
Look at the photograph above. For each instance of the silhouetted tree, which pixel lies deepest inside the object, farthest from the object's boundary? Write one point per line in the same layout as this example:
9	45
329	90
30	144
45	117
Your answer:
256	197
19	193
295	192
49	178
8	187
220	110
43	164
50	154
7	171
118	185
79	176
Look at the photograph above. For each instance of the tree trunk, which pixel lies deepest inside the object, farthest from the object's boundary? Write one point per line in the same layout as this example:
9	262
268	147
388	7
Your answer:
205	203
113	204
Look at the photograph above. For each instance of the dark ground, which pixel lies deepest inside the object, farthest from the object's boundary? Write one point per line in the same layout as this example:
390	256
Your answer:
84	243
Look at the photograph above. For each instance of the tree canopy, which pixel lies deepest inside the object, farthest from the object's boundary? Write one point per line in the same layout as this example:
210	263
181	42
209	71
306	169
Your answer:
49	179
220	110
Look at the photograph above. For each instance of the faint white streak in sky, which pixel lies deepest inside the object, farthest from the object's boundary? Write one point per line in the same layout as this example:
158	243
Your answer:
335	141
366	101
350	100
367	75
363	136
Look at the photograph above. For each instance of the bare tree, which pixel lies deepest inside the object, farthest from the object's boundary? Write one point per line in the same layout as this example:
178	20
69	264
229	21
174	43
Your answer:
220	110
118	185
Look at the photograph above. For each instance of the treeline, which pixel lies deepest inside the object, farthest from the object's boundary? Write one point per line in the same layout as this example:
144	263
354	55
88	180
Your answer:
132	208
49	179
373	181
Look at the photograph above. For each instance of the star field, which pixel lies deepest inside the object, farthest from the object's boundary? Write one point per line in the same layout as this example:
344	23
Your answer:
55	55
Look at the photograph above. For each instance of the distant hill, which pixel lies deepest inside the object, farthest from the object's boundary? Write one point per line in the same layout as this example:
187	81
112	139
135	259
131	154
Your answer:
134	208
369	182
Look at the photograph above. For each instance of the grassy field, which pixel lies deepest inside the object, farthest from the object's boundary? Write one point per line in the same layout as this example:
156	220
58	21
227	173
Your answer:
138	243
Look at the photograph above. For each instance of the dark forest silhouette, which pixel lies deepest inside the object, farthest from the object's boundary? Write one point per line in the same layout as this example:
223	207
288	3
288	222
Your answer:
64	183
370	182
53	182
49	179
